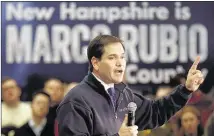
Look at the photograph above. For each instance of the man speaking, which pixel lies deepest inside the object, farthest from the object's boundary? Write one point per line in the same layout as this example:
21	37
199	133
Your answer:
98	105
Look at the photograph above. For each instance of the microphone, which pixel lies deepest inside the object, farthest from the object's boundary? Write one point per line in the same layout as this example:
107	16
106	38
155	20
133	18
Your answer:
131	113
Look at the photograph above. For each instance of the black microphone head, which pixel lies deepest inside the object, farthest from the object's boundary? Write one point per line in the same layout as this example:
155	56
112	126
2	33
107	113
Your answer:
132	107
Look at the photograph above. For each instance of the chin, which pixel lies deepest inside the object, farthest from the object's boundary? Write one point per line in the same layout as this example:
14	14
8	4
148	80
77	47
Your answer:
117	81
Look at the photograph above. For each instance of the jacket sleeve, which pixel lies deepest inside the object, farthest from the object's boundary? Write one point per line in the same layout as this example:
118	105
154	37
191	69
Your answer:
153	113
74	120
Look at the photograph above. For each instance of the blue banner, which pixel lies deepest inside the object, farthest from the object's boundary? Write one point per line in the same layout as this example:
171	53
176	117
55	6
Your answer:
51	38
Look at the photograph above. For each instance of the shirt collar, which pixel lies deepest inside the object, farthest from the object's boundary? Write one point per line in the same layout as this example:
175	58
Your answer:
106	86
32	124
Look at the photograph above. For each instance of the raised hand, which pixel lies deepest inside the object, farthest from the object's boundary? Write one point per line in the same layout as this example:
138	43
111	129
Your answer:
194	77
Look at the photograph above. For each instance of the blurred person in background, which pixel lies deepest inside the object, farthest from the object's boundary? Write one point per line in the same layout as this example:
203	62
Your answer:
209	128
54	87
15	113
38	125
189	122
207	106
69	86
163	91
34	82
204	103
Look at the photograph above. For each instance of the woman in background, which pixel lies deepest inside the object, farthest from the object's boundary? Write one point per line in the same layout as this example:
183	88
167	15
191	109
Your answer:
190	122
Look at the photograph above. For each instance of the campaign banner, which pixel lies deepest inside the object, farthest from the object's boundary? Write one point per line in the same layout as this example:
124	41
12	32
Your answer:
51	38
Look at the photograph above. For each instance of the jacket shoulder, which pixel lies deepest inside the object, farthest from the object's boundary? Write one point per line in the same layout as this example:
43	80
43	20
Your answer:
77	95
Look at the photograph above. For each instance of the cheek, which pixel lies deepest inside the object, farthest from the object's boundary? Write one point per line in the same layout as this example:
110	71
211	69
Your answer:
34	108
44	111
196	122
17	93
195	126
52	96
5	94
105	68
184	125
47	110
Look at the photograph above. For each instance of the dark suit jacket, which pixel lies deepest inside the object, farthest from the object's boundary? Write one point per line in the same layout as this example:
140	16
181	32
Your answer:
87	109
26	130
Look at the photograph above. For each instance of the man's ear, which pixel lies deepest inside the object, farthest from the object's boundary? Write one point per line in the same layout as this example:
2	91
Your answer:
95	63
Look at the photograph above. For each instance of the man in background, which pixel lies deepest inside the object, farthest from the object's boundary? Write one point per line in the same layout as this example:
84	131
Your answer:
15	113
54	88
38	125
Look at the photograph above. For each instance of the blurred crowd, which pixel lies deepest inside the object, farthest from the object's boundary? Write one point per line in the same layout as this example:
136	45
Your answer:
31	110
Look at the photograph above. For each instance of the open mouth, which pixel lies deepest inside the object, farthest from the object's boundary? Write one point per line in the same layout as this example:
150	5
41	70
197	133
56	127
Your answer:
119	71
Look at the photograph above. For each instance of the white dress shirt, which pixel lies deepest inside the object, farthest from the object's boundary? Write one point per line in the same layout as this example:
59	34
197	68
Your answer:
37	129
106	86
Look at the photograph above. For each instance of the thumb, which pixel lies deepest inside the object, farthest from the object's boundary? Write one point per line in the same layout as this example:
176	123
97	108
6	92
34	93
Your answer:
125	121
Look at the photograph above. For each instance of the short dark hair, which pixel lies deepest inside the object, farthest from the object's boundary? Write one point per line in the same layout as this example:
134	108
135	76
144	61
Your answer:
43	93
96	46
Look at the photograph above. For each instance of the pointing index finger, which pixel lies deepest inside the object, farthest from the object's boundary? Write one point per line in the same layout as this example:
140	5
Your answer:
195	64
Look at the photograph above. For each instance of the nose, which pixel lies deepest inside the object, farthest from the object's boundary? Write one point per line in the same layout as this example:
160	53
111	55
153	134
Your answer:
119	63
189	123
52	92
10	91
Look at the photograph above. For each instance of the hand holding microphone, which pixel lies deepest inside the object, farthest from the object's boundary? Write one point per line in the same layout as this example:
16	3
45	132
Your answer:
128	127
